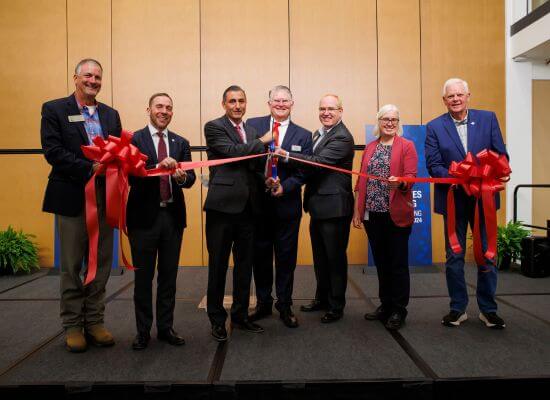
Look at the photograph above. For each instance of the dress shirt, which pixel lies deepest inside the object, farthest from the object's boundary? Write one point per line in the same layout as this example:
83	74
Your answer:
241	125
462	129
156	140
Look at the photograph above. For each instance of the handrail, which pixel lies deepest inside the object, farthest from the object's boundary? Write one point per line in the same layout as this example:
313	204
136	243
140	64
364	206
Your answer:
544	228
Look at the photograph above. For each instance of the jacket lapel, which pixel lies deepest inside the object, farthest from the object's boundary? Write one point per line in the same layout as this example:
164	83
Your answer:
289	136
453	133
472	127
72	109
149	146
172	145
395	159
231	131
103	120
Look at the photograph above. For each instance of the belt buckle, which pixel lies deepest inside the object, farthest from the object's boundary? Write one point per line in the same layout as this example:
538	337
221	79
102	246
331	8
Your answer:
163	204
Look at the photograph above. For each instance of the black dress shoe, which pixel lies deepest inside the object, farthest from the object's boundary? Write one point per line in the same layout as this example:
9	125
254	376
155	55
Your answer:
378	315
395	322
315	305
332	316
171	337
141	341
259	313
289	319
247	326
219	333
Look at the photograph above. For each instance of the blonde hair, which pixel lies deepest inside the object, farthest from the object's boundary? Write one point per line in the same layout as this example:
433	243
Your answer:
338	101
384	110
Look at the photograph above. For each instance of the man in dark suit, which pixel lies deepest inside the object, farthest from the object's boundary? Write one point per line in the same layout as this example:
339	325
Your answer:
67	124
329	200
277	229
156	219
448	138
231	204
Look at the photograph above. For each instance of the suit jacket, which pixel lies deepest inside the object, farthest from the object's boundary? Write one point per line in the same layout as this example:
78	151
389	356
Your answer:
61	141
289	205
443	145
144	197
232	186
328	193
403	162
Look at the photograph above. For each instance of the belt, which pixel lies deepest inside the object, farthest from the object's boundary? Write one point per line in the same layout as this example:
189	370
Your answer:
163	204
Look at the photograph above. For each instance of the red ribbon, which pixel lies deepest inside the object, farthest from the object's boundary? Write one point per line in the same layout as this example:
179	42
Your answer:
481	177
118	158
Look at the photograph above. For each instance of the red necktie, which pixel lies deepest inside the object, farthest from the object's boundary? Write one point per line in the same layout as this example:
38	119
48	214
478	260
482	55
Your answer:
164	179
275	131
241	133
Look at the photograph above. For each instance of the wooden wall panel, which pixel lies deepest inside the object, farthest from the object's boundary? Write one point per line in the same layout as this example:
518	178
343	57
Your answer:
466	41
333	50
399	58
34	67
541	144
89	36
243	42
152	56
21	200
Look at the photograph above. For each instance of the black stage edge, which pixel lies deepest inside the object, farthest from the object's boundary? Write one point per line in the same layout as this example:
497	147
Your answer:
351	359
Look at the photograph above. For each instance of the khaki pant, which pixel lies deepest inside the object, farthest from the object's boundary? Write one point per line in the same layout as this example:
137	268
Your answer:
82	306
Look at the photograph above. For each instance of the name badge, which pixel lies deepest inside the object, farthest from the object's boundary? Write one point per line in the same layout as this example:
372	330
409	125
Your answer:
295	147
76	118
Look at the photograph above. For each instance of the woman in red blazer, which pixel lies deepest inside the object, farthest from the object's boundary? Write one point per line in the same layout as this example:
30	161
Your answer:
385	208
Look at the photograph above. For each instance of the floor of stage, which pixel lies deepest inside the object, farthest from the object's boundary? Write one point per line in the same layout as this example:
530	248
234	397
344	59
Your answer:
351	350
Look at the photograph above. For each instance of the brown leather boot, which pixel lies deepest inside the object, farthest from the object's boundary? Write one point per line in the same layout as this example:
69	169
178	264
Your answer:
99	335
75	341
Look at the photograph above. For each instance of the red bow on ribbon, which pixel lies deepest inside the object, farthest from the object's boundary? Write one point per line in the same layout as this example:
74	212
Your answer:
118	158
482	176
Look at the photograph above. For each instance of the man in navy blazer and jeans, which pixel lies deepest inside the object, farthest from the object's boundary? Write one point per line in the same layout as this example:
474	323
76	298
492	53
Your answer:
448	138
276	232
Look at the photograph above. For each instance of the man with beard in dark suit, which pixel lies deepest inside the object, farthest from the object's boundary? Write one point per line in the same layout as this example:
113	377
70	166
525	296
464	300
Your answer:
156	220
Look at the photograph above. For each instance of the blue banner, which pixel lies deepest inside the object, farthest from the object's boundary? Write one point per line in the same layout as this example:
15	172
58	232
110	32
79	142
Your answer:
420	241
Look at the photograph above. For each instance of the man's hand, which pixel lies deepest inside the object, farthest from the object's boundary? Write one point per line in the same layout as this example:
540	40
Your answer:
168	163
180	175
270	183
277	191
280	152
267	138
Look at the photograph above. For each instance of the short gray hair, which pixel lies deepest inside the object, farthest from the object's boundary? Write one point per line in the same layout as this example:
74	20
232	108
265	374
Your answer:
384	110
280	88
86	61
453	81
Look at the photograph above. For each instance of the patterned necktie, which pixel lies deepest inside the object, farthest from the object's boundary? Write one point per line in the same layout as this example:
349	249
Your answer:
316	138
241	133
271	164
164	179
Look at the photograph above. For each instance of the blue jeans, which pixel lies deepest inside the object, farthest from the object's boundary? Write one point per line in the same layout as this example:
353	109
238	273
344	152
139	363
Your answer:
486	276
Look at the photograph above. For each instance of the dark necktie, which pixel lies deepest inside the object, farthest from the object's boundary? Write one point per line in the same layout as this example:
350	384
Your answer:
241	133
316	139
164	179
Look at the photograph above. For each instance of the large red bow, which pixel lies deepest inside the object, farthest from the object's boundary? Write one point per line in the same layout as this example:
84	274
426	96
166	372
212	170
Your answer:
482	176
118	158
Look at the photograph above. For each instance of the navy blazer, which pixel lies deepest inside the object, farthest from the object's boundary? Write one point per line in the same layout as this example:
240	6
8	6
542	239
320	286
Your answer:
443	146
297	139
61	140
144	197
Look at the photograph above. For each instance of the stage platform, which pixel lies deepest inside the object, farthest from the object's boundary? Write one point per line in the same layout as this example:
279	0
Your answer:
351	358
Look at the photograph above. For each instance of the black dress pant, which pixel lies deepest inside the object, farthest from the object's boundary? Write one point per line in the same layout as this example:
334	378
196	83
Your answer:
277	237
226	232
158	245
390	248
329	242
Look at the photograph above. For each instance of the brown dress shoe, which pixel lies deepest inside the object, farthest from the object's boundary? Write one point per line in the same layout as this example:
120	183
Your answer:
99	335
75	341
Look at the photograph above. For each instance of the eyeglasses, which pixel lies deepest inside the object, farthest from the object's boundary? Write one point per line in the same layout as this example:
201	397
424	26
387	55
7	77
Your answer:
280	101
386	121
328	109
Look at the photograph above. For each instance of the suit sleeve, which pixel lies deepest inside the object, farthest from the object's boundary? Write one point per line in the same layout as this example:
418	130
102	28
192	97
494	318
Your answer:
298	177
185	155
336	150
220	144
434	162
61	158
497	142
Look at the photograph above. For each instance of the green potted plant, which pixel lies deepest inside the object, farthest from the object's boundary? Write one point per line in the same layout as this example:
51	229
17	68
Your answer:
18	253
509	239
